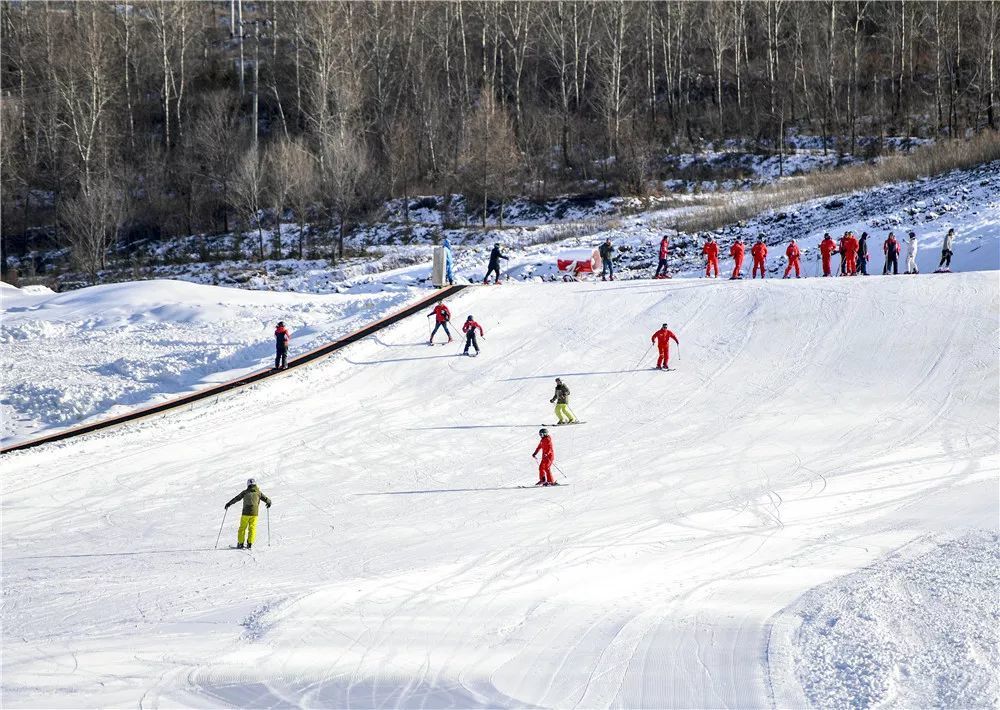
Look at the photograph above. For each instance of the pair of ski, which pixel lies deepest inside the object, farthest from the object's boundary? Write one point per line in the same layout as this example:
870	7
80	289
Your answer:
550	485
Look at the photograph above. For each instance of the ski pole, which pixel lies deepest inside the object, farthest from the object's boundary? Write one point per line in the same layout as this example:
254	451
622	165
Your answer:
561	472
220	528
644	355
268	509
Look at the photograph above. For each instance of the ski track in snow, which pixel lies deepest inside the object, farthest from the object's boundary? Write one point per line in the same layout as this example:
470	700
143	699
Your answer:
810	430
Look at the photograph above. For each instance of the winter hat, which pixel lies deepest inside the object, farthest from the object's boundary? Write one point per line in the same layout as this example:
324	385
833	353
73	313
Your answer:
281	323
558	380
469	318
543	432
250	482
664	325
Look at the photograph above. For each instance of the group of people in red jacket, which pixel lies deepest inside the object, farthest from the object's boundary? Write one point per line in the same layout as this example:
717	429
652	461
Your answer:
852	249
737	251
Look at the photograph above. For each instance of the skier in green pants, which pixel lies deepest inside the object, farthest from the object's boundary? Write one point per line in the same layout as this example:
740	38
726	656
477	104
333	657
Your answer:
251	498
561	399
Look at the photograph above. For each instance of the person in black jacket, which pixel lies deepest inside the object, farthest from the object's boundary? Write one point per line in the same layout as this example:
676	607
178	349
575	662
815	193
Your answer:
863	254
495	256
607	269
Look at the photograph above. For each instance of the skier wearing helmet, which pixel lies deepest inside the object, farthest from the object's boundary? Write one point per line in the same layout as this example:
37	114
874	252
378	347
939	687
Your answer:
662	338
548	456
495	256
251	498
561	400
281	337
469	328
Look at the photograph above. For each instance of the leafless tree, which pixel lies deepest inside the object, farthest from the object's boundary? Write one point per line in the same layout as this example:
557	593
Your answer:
92	219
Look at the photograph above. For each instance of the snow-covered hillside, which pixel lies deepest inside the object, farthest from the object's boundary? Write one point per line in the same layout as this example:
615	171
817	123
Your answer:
73	356
816	437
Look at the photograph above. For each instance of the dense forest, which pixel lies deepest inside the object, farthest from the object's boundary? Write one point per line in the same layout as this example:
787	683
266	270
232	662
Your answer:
152	119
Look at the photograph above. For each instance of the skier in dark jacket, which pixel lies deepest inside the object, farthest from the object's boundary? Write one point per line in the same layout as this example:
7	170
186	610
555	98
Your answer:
251	498
494	267
281	337
561	400
891	250
607	270
863	254
469	328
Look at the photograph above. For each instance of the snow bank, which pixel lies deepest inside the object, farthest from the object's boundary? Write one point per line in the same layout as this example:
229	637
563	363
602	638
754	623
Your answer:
918	628
96	351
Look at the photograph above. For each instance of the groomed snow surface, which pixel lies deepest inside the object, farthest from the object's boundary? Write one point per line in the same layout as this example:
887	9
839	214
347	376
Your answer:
803	513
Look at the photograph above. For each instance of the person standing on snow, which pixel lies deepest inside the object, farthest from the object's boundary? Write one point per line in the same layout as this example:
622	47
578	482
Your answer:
736	251
494	267
282	336
548	458
793	254
843	254
661	267
946	252
759	253
863	254
662	338
711	252
449	262
891	250
607	270
441	318
561	400
851	259
911	254
827	248
469	328
251	498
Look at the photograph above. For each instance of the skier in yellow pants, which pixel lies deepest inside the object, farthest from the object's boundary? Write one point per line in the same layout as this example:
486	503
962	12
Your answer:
251	498
561	398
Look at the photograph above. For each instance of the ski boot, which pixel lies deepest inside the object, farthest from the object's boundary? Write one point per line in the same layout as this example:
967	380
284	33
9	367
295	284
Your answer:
239	545
249	545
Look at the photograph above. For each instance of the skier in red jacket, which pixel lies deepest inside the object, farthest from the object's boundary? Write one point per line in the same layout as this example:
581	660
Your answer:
662	338
891	250
736	251
548	457
827	248
793	254
759	253
469	328
661	267
441	318
282	336
711	252
851	257
842	250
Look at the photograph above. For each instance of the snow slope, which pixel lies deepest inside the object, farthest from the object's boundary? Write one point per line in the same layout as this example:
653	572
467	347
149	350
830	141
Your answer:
812	429
73	356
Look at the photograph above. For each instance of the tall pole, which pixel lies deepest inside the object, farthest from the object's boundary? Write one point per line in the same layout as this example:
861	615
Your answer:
239	6
256	81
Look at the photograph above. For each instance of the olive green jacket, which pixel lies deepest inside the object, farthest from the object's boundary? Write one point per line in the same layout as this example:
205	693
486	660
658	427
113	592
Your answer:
561	396
251	498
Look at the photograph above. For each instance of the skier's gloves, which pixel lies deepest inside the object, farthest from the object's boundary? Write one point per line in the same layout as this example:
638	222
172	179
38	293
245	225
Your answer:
552	400
227	506
268	505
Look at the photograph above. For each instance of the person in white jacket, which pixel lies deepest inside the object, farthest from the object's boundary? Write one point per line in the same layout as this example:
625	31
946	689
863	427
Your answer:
946	252
911	254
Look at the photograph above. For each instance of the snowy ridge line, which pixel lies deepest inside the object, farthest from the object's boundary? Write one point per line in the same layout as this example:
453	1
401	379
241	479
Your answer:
215	390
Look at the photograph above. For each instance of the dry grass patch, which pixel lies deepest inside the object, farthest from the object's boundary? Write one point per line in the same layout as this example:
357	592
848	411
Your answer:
934	159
